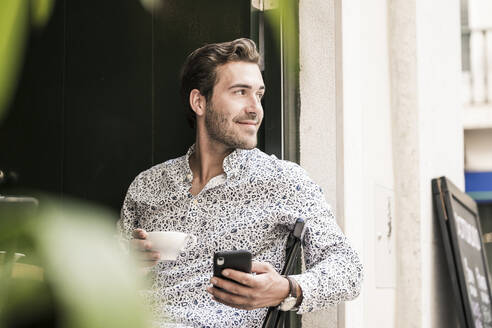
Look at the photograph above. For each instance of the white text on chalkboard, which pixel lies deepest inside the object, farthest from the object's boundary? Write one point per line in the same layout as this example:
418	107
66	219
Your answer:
468	232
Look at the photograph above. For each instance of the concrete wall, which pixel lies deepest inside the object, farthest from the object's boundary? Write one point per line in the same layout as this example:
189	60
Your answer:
399	127
479	13
368	168
318	115
427	142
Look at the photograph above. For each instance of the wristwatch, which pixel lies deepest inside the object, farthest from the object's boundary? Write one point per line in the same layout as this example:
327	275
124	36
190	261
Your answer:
289	303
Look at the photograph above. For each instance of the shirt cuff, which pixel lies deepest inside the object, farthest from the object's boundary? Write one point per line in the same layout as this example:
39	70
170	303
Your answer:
308	284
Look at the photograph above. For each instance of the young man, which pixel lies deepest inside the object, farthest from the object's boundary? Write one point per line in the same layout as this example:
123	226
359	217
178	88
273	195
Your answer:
233	196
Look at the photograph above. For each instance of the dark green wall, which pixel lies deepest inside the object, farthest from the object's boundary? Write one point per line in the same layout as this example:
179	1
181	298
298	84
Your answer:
98	100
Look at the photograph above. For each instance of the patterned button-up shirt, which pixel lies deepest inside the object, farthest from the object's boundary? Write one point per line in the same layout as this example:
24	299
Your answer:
253	205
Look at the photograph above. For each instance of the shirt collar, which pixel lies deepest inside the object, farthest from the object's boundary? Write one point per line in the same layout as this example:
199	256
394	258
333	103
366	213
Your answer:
233	163
188	174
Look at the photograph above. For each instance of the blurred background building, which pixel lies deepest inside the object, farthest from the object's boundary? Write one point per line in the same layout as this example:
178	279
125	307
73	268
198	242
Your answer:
373	98
476	27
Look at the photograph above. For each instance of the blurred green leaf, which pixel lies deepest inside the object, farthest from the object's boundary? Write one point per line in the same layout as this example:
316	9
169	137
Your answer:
88	280
282	17
92	279
13	30
41	12
14	27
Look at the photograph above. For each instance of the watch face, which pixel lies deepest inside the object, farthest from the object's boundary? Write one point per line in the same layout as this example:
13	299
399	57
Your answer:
288	303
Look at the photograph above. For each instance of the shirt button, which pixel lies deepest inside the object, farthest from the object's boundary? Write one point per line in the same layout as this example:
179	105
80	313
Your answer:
195	201
189	177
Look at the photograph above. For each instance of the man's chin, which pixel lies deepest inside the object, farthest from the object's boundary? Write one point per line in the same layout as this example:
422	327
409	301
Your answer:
236	142
247	145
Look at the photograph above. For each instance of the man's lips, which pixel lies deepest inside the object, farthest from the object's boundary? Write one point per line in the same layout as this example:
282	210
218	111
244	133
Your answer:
248	122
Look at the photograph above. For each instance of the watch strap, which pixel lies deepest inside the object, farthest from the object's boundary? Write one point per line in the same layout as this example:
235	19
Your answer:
292	286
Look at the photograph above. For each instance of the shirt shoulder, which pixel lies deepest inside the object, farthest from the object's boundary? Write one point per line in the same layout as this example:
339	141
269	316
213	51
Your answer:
155	178
282	172
287	184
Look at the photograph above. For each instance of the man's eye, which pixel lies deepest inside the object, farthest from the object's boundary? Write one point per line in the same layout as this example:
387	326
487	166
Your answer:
241	92
260	95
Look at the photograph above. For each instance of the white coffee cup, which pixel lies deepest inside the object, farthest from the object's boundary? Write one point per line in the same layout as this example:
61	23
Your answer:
170	243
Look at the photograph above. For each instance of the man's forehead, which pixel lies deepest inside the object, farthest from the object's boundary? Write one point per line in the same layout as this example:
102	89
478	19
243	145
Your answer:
240	73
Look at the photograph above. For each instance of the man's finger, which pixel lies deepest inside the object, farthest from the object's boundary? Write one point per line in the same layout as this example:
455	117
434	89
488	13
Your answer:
139	233
140	244
241	277
241	307
146	264
228	298
147	259
261	267
150	256
231	287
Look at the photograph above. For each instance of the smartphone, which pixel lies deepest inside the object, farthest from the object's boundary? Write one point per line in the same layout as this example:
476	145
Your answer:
239	260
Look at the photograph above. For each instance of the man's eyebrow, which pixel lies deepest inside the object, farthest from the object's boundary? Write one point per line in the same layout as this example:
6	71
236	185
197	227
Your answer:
246	86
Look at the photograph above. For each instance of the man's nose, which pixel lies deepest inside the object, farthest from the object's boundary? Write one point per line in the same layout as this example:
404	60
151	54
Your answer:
255	105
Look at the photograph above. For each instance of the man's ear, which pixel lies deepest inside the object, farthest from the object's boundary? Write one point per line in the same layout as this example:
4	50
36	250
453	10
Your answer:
197	102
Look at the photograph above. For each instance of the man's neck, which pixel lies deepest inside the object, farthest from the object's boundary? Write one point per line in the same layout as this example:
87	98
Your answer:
207	160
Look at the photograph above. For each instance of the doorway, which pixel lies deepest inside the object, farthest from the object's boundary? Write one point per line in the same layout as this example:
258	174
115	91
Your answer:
98	98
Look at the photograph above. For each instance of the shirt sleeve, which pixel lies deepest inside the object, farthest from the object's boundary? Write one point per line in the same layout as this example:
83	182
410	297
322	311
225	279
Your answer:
129	218
334	271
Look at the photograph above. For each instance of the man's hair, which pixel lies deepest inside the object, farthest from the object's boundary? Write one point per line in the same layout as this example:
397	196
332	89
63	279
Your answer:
200	68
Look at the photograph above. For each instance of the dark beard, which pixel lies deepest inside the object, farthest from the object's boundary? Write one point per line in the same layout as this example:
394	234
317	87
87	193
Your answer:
215	123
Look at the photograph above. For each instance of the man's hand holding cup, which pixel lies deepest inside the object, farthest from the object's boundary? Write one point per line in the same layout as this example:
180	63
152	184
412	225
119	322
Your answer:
151	247
141	247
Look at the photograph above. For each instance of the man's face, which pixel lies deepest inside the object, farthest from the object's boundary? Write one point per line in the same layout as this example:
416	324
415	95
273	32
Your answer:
234	113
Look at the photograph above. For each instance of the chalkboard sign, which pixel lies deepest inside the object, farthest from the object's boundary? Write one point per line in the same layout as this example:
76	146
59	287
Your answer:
460	226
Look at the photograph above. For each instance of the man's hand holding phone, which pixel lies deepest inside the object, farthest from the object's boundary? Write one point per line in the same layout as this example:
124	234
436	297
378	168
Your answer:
141	247
246	291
